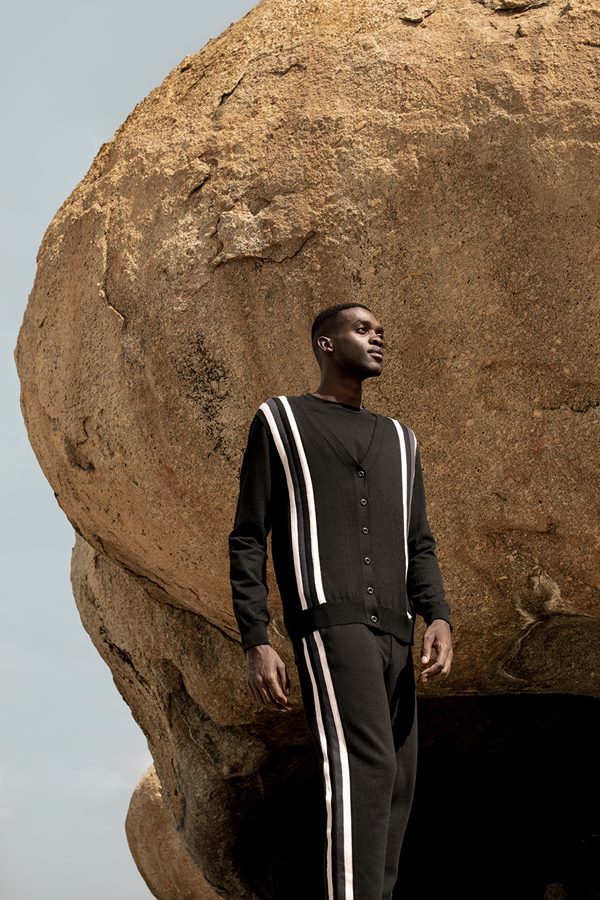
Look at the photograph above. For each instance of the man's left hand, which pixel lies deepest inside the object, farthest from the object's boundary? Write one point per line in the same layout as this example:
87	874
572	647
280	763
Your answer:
439	638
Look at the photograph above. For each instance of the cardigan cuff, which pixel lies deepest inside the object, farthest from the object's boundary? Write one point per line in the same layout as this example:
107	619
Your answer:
255	635
432	618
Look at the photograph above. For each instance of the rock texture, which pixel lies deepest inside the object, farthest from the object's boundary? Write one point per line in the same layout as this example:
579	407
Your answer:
437	162
168	870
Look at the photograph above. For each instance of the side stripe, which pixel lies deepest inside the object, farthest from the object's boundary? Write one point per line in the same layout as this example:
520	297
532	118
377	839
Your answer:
408	448
336	771
303	518
310	499
295	531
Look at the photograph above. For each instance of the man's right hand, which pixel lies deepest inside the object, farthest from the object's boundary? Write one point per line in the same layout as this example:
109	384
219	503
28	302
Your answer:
268	680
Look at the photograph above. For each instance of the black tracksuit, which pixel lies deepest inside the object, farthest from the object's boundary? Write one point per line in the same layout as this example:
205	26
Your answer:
341	490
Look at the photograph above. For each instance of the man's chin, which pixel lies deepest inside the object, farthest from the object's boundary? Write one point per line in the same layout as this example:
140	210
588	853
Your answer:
372	372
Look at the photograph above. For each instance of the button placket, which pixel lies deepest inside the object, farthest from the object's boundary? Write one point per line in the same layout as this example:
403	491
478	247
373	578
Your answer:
366	545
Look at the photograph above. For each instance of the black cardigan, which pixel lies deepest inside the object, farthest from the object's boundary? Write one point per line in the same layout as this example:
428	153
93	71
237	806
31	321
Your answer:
351	541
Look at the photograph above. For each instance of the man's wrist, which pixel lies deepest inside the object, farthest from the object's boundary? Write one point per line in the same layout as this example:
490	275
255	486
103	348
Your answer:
254	635
440	619
256	646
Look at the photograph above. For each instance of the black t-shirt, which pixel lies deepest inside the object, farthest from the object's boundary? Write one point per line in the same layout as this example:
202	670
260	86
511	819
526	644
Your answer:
353	426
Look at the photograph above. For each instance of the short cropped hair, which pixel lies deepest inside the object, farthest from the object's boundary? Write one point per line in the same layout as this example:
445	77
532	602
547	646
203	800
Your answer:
323	321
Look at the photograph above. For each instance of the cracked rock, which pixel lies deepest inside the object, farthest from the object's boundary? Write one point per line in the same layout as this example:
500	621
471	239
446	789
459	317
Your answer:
277	232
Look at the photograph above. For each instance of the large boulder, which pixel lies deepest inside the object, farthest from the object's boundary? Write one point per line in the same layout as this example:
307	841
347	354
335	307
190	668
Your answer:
438	164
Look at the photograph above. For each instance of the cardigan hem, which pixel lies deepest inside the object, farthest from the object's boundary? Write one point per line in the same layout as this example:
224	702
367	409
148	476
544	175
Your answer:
345	612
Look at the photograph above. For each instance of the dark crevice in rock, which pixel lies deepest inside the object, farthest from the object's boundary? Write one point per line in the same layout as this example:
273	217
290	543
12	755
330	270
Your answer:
209	160
516	775
227	94
125	659
105	268
520	774
154	590
220	245
199	186
310	235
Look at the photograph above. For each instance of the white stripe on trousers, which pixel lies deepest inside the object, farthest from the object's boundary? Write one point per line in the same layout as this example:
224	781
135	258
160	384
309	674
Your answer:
344	802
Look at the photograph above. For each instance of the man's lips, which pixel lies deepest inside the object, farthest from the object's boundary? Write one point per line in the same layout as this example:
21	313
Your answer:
378	353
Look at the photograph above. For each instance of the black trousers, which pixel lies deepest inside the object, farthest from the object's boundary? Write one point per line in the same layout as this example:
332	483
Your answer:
358	690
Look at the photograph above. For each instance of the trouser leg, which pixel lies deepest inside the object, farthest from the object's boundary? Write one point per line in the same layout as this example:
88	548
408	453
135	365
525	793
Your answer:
341	670
400	687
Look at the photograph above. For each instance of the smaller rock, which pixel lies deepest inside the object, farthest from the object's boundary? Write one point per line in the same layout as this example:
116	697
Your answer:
161	858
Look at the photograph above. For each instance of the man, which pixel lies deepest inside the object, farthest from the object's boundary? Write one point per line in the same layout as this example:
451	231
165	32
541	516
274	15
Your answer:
341	489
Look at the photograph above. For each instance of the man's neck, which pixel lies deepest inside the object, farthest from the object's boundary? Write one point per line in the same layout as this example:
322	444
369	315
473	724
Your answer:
350	395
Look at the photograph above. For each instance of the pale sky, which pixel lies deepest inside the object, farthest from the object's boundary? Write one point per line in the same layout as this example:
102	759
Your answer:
70	750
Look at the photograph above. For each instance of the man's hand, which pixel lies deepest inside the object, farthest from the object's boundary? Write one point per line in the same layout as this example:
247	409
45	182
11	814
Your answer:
268	680
439	637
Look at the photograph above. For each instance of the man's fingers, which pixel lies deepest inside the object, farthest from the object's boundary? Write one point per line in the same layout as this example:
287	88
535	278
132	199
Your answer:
267	678
254	691
268	691
284	679
441	666
262	694
433	670
426	648
279	698
442	653
426	674
267	698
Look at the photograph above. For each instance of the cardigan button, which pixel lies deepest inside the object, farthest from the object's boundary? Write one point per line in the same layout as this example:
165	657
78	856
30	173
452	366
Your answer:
360	473
374	618
364	501
370	589
367	560
365	529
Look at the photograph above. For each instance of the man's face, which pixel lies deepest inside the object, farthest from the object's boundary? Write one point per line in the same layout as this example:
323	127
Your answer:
358	343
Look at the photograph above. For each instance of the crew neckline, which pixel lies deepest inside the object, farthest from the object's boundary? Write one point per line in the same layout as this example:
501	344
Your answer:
336	403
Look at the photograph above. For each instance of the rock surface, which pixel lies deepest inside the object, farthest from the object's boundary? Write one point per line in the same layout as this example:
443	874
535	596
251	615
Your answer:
169	871
437	163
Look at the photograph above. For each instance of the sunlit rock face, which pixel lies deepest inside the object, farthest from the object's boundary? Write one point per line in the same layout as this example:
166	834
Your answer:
439	163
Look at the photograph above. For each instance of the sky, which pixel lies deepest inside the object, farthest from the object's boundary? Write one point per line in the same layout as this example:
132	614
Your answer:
70	750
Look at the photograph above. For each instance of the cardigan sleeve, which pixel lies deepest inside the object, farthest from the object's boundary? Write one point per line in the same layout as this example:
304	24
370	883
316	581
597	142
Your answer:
248	538
424	585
